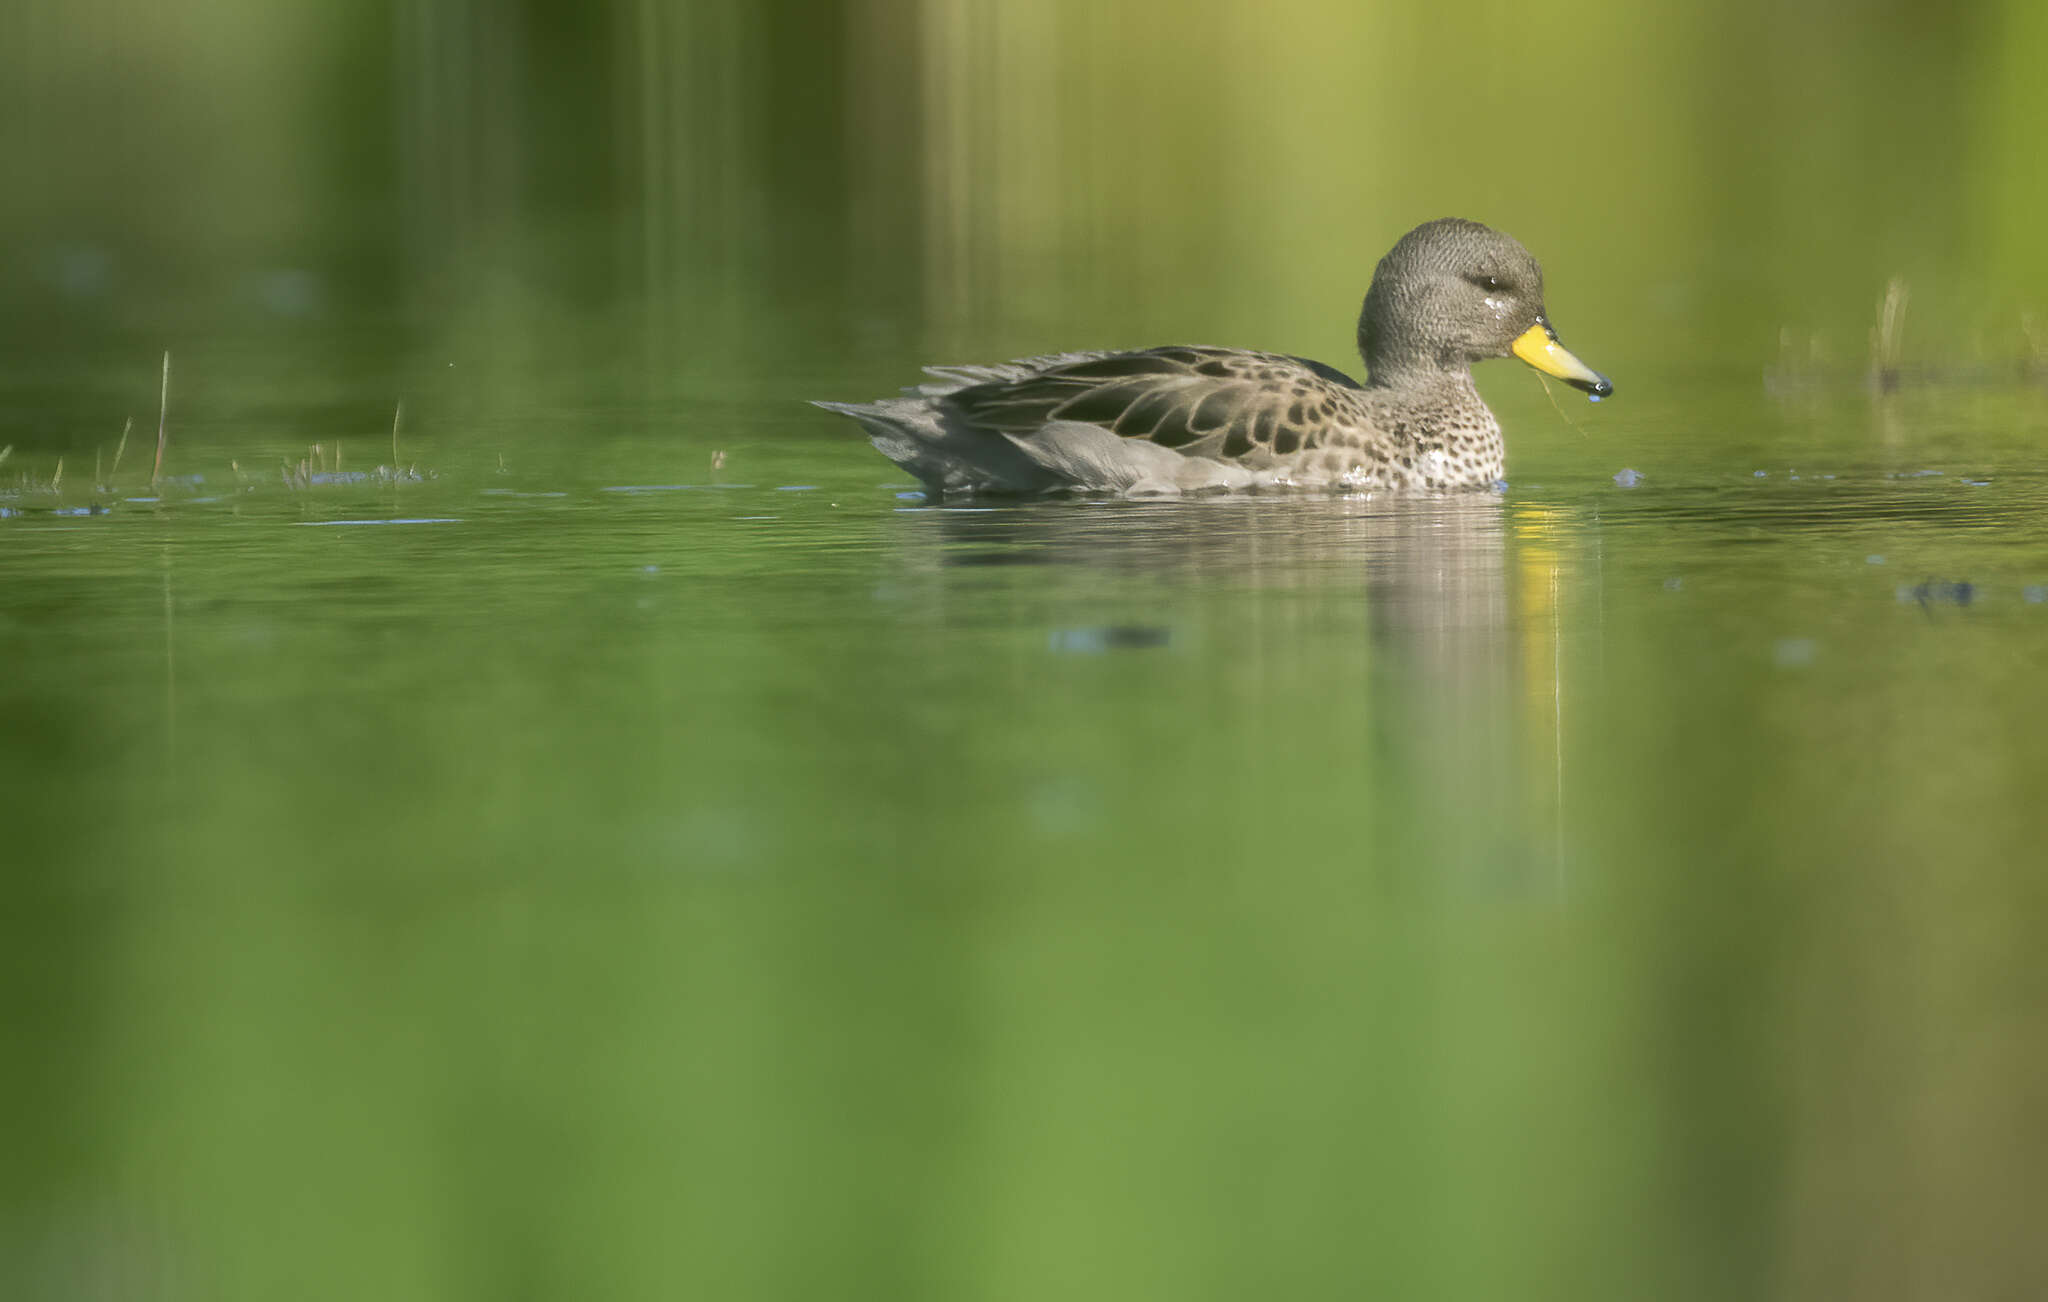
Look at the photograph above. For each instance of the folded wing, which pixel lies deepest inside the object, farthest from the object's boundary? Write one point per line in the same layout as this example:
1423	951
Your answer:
1212	402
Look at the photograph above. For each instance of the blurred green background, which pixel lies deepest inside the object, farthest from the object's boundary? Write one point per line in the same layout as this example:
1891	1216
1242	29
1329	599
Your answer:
679	190
690	864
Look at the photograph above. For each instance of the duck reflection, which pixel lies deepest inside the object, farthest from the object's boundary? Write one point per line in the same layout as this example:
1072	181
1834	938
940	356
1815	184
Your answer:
1432	622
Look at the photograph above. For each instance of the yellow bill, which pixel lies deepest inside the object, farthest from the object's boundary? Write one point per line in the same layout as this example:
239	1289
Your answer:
1538	346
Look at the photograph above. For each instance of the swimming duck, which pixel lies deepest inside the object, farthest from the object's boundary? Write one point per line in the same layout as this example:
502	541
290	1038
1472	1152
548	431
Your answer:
1165	421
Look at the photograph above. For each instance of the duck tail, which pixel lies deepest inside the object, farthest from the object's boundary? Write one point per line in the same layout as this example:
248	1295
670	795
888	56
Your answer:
918	434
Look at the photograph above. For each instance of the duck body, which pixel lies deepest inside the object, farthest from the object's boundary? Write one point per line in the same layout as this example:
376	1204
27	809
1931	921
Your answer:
1185	419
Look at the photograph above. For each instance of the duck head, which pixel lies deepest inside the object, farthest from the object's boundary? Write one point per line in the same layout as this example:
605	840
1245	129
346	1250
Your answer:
1453	292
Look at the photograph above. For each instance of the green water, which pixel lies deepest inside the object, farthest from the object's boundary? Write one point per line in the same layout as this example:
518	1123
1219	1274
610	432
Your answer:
766	883
644	849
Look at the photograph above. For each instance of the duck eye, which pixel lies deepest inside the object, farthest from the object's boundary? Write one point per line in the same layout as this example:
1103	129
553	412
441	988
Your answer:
1490	284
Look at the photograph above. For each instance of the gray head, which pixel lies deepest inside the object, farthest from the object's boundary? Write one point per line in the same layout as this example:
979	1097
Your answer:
1451	293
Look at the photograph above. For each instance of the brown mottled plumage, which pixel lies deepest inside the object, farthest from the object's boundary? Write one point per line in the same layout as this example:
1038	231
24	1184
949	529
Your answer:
1178	419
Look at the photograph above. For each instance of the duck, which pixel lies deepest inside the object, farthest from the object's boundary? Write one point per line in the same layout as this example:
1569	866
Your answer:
1180	419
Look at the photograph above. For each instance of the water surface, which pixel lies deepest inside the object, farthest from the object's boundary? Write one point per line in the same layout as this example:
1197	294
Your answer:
597	871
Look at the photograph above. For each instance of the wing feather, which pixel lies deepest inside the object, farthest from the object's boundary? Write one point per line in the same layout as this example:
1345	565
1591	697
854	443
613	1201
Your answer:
1197	400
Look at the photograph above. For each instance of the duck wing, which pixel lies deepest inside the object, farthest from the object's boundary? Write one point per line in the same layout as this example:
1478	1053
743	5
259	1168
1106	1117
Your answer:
1217	402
